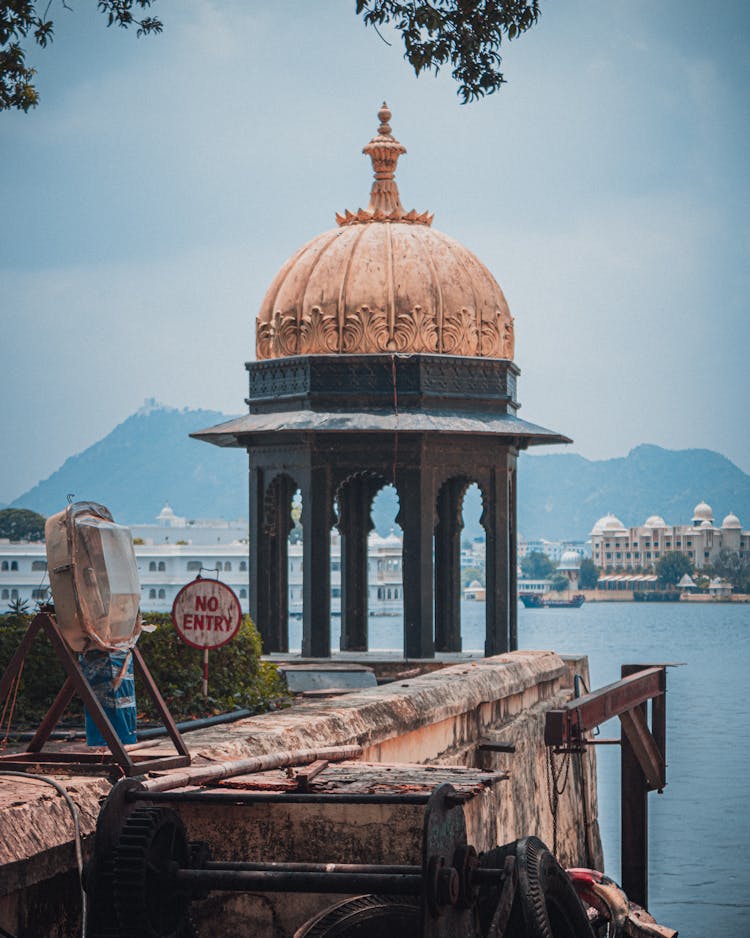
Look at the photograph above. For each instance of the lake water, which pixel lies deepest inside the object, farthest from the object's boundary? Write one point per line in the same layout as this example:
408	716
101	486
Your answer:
699	875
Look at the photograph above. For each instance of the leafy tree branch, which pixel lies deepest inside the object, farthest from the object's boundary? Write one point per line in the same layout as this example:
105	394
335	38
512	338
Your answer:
465	35
22	21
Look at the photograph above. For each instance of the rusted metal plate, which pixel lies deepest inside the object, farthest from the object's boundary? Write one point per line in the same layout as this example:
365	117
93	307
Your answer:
370	778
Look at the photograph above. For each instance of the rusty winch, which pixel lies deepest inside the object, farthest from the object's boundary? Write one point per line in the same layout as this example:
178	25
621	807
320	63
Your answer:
148	872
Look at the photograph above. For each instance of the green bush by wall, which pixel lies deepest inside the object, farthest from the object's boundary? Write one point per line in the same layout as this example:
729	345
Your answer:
42	675
237	678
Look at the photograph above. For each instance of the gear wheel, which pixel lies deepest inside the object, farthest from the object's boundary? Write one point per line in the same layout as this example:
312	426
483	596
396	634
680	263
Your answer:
99	881
365	917
146	904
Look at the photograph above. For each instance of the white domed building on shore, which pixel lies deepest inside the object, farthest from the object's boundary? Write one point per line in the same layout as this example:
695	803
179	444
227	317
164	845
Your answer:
613	546
570	566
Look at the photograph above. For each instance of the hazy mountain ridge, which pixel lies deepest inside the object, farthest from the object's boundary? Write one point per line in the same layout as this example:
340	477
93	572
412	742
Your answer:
149	458
146	460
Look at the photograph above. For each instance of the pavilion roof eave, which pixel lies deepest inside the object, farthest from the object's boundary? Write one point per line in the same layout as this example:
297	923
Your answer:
232	432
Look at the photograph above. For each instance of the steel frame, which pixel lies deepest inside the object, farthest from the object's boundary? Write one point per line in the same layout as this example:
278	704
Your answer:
643	754
119	761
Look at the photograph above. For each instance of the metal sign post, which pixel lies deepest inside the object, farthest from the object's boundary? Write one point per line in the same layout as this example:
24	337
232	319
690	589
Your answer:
206	614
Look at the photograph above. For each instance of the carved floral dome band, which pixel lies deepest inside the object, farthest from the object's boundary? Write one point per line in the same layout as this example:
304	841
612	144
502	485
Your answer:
384	281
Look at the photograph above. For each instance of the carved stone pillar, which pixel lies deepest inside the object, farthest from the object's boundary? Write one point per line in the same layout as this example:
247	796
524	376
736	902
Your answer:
317	510
512	554
448	567
354	525
495	519
274	565
416	517
258	602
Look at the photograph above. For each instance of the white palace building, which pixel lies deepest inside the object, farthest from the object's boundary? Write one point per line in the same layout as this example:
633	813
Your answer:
620	548
173	551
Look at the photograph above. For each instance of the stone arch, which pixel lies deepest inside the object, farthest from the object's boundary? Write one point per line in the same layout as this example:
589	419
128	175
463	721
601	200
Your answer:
364	484
281	488
273	581
451	493
447	576
354	496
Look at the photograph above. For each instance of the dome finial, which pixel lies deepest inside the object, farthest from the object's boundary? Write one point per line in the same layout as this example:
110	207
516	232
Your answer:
384	151
384	115
385	202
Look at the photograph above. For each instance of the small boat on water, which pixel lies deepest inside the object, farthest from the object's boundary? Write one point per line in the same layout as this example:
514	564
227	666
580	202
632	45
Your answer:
537	601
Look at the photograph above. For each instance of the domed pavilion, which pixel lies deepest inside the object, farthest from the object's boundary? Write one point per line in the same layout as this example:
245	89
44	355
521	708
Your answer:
384	356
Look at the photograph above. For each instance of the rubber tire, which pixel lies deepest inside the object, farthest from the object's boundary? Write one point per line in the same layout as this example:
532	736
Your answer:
551	907
365	917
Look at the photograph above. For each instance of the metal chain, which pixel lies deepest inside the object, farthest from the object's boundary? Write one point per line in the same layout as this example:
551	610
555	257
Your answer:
585	807
554	789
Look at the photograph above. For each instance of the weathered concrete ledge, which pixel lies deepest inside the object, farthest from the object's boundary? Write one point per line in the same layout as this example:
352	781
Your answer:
378	718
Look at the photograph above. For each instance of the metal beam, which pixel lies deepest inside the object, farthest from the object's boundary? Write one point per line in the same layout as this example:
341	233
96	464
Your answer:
274	881
639	736
567	725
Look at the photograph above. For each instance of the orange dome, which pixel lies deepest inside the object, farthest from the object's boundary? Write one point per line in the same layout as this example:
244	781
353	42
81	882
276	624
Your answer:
384	281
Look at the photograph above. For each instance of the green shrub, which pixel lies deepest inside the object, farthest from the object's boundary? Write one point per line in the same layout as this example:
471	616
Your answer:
237	678
42	675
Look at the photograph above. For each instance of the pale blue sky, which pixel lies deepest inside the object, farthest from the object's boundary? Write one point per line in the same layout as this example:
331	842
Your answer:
149	200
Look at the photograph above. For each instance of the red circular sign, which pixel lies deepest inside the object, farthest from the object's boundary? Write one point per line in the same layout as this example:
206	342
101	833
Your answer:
206	614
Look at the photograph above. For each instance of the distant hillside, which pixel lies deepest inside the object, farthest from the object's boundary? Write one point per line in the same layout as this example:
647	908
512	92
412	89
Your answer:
146	460
560	496
563	495
149	459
